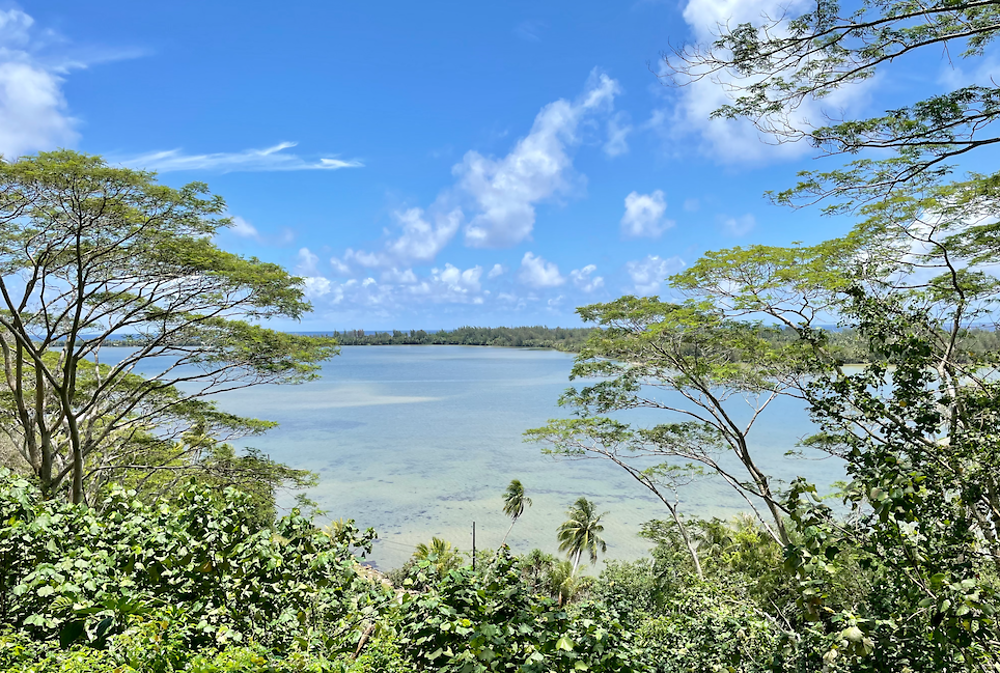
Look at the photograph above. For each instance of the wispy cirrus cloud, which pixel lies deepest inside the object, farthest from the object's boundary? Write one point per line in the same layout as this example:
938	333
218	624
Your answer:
272	158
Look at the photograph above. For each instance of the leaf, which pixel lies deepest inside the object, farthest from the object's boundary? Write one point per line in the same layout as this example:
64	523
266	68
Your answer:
564	643
71	632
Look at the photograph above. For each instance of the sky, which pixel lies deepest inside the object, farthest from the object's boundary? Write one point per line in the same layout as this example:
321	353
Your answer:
432	165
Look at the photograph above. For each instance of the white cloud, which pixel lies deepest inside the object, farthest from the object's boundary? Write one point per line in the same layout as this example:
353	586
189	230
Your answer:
316	287
421	241
243	229
644	215
272	158
618	130
33	111
497	270
582	278
339	267
308	262
536	272
366	259
647	274
423	236
394	275
505	191
739	226
738	141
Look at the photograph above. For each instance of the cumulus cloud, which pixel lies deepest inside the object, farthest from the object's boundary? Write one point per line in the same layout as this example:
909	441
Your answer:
739	226
243	229
583	280
272	158
497	270
505	191
422	236
618	130
494	199
421	240
536	272
738	141
33	111
398	289
644	215
339	267
316	287
394	275
307	263
647	274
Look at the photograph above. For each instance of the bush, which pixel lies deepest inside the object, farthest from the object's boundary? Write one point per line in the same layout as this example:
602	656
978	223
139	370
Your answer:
198	573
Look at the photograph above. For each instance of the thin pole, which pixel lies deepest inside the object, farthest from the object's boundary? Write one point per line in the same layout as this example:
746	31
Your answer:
473	546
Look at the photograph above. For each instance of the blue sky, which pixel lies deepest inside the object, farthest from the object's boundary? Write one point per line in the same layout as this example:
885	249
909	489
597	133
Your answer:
428	165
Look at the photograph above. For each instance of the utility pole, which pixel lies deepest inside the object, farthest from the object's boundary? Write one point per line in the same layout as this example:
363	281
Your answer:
473	546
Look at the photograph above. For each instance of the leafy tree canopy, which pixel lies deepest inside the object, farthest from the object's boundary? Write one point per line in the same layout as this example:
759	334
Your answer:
89	251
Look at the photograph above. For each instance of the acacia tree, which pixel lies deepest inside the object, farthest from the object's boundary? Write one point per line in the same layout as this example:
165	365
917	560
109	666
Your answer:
916	426
90	251
713	377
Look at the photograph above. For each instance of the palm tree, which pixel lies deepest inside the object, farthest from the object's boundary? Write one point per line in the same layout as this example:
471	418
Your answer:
581	533
440	553
514	501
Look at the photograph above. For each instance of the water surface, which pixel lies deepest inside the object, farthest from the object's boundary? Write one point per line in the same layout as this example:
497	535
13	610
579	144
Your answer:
418	441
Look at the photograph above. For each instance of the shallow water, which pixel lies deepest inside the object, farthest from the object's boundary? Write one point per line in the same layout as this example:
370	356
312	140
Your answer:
420	441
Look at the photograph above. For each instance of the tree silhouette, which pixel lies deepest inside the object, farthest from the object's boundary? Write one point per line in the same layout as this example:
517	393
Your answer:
514	501
581	533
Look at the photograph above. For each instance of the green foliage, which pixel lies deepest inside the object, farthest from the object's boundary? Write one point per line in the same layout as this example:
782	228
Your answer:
581	533
88	251
202	572
440	554
492	622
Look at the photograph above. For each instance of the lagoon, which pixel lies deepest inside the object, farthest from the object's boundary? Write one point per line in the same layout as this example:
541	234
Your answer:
420	441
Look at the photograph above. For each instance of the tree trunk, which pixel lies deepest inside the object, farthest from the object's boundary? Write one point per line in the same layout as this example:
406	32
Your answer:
513	521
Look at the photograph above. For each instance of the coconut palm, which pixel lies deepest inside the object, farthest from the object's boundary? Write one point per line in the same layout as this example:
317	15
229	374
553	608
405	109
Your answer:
581	533
440	553
514	501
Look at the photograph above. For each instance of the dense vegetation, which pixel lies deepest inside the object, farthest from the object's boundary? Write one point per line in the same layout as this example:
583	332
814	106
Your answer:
559	338
187	568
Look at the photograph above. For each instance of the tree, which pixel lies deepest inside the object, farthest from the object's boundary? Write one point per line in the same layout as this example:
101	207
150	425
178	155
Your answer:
88	252
916	426
704	362
513	505
582	533
770	69
442	556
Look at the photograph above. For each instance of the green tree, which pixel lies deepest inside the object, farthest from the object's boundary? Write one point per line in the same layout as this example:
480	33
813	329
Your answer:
772	67
581	533
514	502
89	251
441	555
915	426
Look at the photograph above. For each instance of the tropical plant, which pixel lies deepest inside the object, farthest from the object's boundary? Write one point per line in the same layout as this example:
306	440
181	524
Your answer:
89	251
581	533
514	502
478	622
440	554
204	566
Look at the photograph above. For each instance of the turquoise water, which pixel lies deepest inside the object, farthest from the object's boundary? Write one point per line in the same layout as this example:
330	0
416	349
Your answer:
420	441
